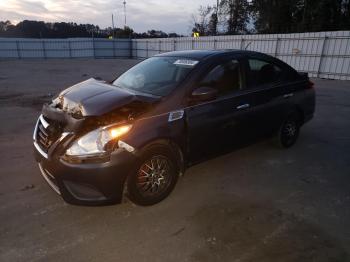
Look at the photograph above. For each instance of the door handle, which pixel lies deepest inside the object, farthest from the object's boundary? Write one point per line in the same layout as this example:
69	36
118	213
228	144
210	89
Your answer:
243	106
288	95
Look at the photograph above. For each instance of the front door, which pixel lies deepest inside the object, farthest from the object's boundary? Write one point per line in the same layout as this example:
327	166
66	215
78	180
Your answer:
214	126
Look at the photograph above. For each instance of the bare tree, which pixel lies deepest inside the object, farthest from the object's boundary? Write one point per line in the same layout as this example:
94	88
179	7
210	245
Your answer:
201	20
4	25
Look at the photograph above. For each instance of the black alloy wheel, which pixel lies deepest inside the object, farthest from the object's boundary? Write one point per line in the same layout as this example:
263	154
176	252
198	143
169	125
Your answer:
289	131
154	177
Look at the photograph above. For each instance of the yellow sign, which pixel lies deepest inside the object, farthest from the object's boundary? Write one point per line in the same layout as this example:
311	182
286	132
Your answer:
195	34
110	37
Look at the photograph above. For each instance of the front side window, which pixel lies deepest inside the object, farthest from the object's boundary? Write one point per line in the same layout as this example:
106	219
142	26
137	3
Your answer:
225	78
156	75
262	72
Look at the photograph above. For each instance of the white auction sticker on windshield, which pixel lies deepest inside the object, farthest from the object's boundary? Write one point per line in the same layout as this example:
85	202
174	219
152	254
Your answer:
185	62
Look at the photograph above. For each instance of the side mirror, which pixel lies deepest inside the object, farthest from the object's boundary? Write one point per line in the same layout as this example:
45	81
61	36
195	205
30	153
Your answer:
204	93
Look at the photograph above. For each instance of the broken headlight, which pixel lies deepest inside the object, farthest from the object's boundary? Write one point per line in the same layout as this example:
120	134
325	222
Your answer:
97	142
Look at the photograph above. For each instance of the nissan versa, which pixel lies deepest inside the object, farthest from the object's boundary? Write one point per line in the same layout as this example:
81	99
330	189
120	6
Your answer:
138	133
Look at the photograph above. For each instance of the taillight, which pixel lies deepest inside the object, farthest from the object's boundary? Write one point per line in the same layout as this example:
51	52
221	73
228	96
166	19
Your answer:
311	84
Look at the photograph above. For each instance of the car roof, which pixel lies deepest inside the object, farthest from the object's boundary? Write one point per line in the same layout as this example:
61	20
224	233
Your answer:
201	54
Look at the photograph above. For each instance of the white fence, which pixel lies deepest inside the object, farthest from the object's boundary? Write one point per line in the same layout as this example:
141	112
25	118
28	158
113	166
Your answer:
323	54
64	48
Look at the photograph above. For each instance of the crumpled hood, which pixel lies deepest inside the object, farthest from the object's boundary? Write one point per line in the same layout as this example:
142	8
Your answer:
94	98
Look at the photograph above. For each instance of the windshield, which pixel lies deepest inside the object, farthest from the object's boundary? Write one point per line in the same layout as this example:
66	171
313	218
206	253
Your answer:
156	75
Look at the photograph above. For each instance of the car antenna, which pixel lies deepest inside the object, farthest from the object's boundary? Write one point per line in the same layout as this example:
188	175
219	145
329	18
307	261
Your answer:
246	47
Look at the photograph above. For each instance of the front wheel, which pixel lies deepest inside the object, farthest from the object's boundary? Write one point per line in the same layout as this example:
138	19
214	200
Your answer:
154	177
289	131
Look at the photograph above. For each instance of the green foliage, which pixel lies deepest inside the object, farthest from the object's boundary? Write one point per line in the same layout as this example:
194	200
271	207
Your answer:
273	16
287	16
236	13
225	17
39	29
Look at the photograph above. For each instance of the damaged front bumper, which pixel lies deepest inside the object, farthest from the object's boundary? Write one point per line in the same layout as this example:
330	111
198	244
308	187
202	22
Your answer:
91	183
88	184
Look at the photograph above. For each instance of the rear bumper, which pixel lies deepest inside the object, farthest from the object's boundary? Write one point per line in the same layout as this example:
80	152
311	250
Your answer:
88	183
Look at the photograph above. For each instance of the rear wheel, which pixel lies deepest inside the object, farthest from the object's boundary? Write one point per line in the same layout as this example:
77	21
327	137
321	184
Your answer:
289	131
154	177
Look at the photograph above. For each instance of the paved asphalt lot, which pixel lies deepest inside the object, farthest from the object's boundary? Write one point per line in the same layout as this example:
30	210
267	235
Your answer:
258	203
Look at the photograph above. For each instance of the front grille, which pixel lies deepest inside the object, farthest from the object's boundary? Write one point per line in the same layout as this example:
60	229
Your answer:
47	133
43	138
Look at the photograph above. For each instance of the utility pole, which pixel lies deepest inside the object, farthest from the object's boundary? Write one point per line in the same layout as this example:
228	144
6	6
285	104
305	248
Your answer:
217	16
113	28
124	3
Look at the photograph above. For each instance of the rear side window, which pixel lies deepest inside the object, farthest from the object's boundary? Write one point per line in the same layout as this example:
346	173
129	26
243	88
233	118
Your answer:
225	77
262	72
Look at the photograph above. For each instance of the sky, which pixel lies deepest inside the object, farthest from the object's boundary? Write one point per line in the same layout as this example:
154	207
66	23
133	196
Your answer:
166	15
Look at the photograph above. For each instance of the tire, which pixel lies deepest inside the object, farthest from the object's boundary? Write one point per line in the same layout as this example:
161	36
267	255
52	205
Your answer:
288	132
154	176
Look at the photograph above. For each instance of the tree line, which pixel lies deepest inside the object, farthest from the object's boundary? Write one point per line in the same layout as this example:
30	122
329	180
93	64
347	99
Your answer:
40	29
224	17
272	16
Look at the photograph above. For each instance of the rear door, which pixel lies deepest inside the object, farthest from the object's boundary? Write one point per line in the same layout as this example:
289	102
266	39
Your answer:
216	125
273	92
